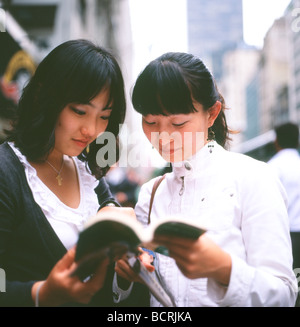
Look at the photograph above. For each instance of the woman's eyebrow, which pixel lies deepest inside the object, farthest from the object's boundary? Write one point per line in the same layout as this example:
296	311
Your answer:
108	107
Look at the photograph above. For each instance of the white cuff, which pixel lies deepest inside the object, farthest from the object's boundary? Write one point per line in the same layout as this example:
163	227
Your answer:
235	294
118	293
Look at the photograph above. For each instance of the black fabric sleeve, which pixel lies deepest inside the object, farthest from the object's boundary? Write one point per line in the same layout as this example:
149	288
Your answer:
104	194
16	293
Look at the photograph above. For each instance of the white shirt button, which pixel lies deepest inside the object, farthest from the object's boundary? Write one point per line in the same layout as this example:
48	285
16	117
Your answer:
187	165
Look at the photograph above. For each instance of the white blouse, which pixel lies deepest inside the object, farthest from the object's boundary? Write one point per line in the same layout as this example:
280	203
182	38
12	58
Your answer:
243	206
286	164
67	222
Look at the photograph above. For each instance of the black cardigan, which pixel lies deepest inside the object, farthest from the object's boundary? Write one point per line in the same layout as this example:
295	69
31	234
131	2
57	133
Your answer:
29	247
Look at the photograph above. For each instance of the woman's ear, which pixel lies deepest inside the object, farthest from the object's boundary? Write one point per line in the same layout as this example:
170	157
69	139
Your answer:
214	112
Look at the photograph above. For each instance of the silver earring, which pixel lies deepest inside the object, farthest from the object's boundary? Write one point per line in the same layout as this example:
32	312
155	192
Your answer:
211	137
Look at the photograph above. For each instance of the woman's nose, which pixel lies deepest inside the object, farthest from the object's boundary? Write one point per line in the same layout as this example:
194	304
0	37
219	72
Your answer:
88	130
165	139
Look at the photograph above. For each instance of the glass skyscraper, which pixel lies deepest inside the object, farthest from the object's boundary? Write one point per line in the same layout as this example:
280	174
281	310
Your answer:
214	26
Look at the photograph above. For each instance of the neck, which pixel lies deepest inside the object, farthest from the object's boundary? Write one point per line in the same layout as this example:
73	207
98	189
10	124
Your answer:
55	158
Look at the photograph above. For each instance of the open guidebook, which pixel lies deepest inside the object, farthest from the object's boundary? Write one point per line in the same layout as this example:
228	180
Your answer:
114	234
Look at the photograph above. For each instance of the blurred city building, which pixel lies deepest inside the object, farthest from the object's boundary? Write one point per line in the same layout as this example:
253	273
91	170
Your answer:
263	86
214	27
238	66
272	92
48	23
293	18
274	75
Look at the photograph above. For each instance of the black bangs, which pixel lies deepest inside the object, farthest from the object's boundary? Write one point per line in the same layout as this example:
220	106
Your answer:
161	89
96	78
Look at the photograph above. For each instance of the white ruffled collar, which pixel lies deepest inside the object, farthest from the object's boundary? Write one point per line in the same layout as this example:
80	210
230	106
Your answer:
51	205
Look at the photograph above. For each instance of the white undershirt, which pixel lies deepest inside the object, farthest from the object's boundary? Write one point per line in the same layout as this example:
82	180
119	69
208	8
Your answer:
67	222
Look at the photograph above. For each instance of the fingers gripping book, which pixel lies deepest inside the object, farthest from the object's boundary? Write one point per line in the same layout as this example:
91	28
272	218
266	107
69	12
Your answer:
114	234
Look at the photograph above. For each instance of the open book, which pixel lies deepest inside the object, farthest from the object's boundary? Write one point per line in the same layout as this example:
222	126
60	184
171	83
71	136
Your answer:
114	234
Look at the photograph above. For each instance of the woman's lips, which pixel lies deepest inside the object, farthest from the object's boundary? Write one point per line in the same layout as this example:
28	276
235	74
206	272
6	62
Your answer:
81	143
168	151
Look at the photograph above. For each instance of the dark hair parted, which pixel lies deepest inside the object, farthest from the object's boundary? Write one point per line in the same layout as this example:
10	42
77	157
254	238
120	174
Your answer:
287	135
172	82
74	72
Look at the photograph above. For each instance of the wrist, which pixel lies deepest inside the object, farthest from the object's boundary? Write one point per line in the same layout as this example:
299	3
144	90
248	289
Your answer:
35	293
42	295
223	272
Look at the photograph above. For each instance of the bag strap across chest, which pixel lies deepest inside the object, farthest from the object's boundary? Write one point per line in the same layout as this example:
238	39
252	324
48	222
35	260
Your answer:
154	188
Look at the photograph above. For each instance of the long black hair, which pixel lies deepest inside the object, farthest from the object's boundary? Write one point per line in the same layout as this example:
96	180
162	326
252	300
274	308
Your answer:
170	84
74	72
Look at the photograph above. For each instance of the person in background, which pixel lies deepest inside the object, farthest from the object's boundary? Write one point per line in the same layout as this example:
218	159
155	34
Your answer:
245	257
48	173
286	163
124	185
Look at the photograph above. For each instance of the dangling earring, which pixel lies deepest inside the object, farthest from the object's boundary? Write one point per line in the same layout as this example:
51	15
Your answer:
87	149
211	137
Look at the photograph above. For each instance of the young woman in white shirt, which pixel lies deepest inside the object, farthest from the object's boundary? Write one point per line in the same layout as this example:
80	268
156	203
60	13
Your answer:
244	258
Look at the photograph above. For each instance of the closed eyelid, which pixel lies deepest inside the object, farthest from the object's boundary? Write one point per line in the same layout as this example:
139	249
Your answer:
179	124
77	110
105	117
148	122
